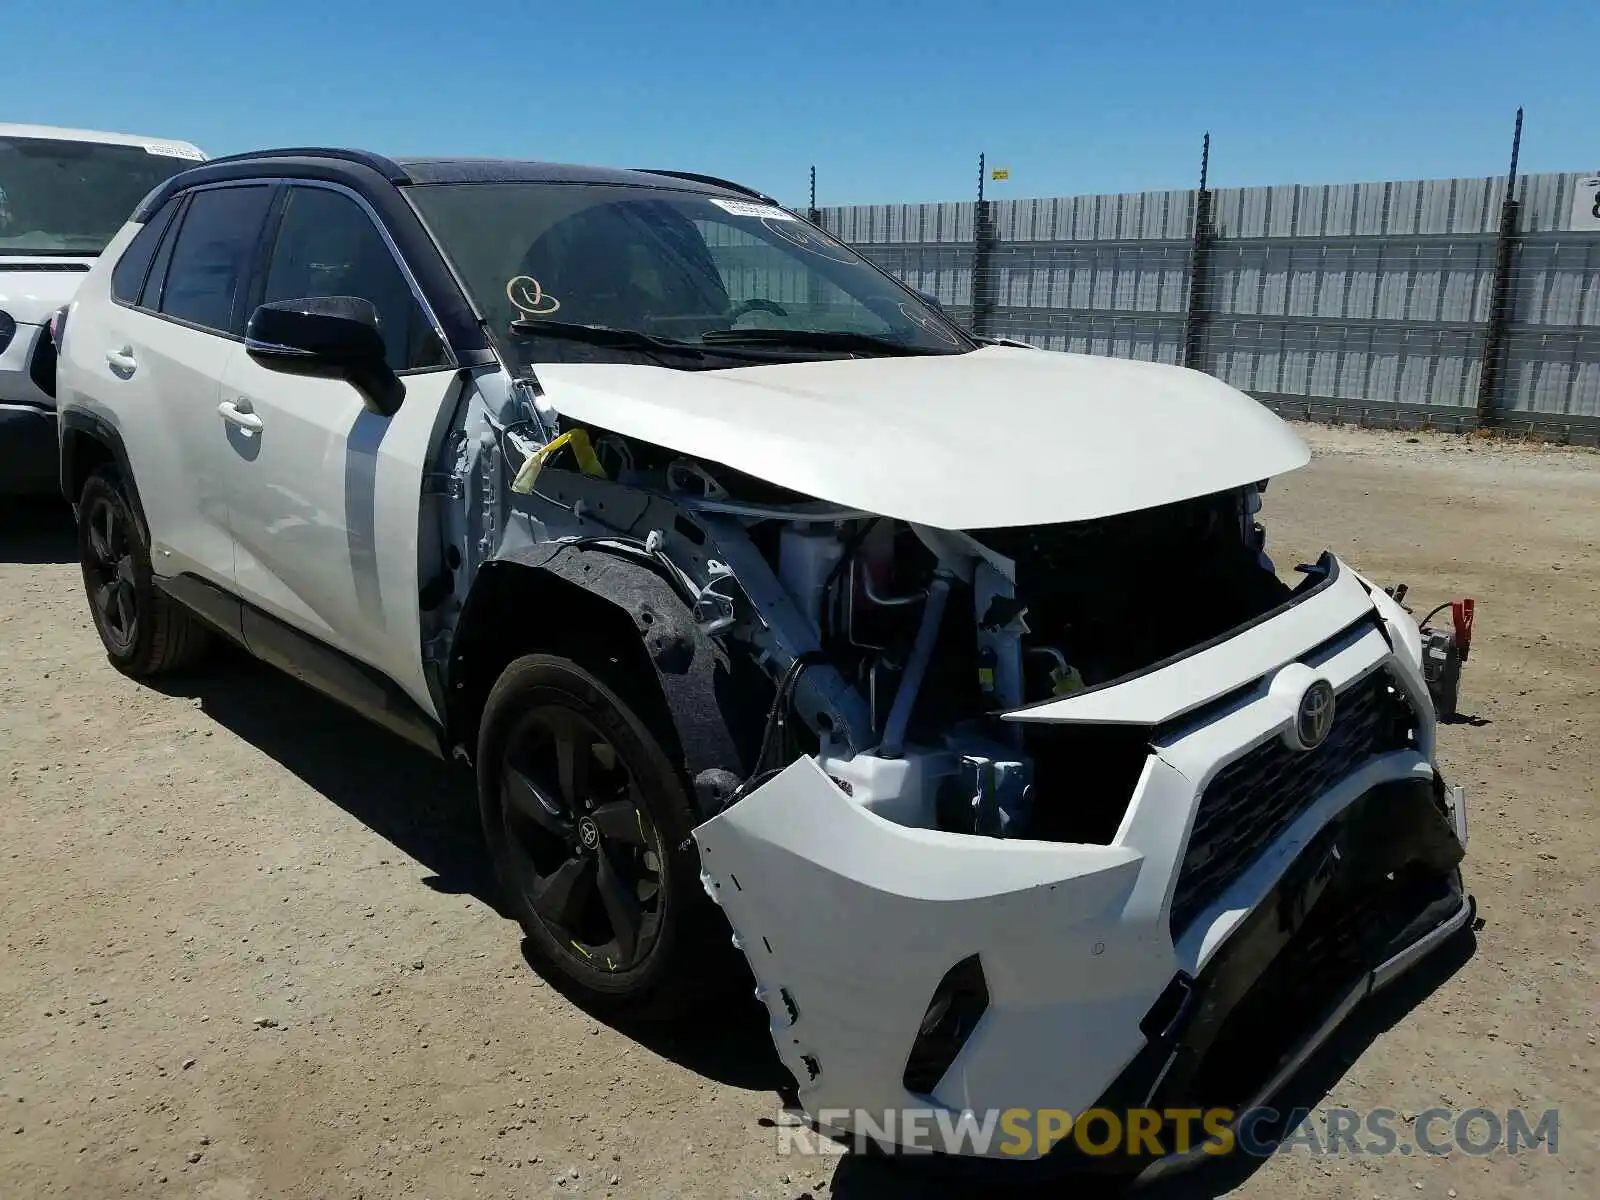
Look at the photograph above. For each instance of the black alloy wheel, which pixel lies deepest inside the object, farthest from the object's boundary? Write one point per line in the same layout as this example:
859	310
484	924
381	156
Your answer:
144	631
108	571
588	861
590	826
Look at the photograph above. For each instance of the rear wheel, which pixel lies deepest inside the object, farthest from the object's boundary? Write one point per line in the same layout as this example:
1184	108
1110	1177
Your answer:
143	630
588	823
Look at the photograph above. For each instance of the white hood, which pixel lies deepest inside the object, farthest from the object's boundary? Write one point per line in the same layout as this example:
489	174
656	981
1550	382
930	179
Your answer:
31	289
997	437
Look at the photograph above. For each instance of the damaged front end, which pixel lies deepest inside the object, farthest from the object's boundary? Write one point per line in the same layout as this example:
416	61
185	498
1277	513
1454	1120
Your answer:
1195	891
1021	816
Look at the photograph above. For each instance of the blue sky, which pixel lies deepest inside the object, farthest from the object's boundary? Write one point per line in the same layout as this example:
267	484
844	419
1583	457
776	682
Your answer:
890	100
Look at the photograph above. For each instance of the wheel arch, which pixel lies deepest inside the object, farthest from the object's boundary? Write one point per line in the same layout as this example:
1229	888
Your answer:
89	442
589	603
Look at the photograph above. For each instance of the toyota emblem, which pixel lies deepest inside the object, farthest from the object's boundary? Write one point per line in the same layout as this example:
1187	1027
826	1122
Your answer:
1313	720
588	833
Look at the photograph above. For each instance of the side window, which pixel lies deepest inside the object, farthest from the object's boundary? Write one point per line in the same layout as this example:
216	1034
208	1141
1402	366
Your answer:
150	298
127	278
212	254
328	246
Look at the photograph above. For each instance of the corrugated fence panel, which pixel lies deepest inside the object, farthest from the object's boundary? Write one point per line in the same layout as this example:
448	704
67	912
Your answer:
1335	295
1554	335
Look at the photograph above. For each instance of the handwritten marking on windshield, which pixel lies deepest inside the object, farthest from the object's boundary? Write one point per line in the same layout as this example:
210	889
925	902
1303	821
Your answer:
926	321
809	240
528	297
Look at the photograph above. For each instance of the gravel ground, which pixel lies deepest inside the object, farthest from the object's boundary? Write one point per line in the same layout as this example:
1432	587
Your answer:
251	950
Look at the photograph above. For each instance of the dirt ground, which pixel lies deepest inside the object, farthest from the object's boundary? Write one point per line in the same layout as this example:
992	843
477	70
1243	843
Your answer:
250	948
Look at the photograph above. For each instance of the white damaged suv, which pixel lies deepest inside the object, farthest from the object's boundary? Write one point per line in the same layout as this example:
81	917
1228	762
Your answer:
954	673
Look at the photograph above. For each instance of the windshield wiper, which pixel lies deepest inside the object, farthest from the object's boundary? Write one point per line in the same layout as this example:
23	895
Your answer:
646	343
604	335
812	339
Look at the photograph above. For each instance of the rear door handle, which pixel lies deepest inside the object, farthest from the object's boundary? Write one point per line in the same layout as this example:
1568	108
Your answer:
122	361
242	417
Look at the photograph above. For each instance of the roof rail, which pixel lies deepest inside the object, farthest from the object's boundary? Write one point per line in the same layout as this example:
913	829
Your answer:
387	167
712	180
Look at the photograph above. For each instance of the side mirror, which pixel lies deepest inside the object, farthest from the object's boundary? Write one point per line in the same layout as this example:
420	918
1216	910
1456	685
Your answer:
330	336
931	301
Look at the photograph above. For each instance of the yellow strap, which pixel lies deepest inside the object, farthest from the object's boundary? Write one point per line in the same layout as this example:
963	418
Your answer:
1066	682
582	450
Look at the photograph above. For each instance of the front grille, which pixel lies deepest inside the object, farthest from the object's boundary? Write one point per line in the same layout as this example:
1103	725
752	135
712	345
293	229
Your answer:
1254	799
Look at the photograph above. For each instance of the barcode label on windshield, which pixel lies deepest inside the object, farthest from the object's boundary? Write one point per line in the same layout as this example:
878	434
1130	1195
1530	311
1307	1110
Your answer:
168	150
748	208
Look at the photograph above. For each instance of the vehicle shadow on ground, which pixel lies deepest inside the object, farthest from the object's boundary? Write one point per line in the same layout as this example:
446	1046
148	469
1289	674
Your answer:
861	1177
428	810
729	1042
37	530
424	806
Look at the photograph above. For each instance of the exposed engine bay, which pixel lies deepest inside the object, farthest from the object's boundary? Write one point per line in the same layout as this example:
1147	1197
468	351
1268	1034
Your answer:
887	649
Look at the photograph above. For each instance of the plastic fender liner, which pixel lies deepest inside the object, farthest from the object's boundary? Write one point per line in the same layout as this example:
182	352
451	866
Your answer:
87	439
687	664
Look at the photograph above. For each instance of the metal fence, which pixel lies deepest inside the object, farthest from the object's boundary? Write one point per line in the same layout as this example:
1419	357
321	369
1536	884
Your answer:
1452	303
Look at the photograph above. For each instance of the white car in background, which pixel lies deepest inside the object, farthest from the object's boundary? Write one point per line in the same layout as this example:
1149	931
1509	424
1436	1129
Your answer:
64	193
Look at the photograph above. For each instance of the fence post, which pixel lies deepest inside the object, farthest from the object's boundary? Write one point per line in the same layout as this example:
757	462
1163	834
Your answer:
1491	368
1199	263
814	281
984	283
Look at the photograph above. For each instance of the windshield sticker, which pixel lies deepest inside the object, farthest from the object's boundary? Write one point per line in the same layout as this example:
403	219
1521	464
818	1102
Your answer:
528	298
747	208
169	150
813	241
926	321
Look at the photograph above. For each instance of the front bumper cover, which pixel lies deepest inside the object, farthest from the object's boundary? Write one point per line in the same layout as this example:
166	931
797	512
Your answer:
1370	895
1084	975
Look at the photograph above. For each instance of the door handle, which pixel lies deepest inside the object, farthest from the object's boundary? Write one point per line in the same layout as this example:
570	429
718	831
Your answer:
242	417
122	361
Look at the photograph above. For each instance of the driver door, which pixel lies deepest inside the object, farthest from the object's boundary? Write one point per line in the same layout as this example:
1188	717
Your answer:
326	493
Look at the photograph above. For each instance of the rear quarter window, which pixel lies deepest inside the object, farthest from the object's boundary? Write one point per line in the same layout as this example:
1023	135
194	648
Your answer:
127	279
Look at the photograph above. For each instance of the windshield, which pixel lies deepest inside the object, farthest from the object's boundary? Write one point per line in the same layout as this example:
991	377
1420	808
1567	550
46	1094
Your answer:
66	197
610	272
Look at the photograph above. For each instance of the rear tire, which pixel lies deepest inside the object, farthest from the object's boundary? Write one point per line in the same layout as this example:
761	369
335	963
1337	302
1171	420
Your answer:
144	631
589	826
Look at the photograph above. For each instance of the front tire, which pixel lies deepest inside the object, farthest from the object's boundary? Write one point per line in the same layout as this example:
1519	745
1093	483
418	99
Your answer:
144	631
589	826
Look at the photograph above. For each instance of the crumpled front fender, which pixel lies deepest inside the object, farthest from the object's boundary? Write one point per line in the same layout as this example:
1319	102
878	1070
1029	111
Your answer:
688	666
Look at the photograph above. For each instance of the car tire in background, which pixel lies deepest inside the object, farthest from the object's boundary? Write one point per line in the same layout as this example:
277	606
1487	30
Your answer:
144	631
589	826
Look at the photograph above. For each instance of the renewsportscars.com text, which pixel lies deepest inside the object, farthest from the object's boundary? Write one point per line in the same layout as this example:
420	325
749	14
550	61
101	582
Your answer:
1153	1133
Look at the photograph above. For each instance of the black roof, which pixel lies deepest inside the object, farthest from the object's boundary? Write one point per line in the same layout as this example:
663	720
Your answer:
514	170
320	162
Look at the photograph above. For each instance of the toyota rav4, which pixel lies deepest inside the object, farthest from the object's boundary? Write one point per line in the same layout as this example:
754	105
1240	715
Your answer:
955	674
